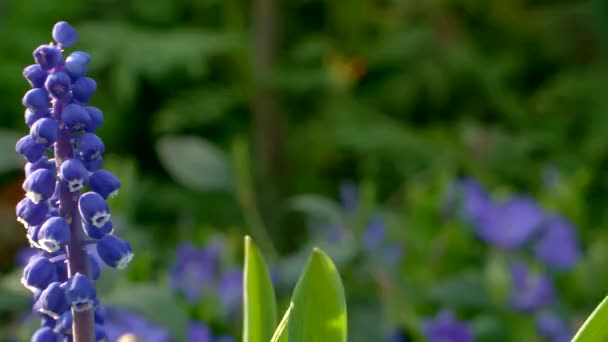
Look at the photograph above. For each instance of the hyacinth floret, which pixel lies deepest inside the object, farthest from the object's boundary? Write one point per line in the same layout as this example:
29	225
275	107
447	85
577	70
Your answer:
64	208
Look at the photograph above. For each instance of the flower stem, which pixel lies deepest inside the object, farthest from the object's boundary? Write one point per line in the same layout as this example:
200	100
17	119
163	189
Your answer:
83	329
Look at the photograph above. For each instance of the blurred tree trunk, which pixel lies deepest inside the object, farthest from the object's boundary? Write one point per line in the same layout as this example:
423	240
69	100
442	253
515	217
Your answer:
267	121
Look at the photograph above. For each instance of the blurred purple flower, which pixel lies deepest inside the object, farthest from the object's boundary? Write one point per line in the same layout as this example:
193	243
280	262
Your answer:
349	196
199	332
375	234
194	270
467	199
510	224
230	290
529	292
225	339
553	327
392	254
446	328
120	322
557	246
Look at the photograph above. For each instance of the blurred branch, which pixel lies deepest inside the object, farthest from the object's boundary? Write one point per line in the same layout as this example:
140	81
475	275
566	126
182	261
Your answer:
266	118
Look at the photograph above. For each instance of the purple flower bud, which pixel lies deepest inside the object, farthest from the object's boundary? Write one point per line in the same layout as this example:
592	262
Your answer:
75	117
94	209
37	100
96	116
374	234
76	64
35	75
39	185
29	148
81	293
84	88
199	332
231	290
100	334
64	324
45	334
58	84
30	117
445	327
529	292
54	234
467	199
30	213
95	232
32	235
114	252
557	246
74	173
42	163
45	131
104	183
48	56
62	271
90	146
52	301
47	321
38	273
64	34
94	164
194	270
553	327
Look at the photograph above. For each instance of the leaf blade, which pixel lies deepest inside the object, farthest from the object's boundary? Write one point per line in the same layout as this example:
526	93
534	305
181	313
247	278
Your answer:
319	305
259	308
594	329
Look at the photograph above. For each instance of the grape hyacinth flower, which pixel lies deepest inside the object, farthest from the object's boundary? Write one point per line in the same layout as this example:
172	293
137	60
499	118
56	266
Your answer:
194	270
512	223
120	325
553	327
557	246
446	328
530	291
199	332
467	199
64	160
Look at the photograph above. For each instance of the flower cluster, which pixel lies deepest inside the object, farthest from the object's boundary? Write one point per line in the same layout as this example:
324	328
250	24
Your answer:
65	206
197	273
520	226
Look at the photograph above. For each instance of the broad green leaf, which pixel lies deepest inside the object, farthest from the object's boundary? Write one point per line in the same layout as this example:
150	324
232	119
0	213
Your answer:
594	329
260	307
195	163
319	306
280	335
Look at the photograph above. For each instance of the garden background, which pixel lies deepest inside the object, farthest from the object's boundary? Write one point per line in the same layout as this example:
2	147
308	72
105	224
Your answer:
409	139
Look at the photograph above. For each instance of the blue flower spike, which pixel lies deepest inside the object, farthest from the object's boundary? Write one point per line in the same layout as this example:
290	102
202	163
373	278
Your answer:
52	301
114	251
84	88
35	75
39	185
60	123
64	34
54	234
30	149
104	183
58	85
81	293
30	213
75	117
94	209
45	131
45	334
38	274
90	146
74	173
48	56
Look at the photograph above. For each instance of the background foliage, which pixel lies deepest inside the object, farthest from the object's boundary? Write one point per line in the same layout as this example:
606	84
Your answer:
399	97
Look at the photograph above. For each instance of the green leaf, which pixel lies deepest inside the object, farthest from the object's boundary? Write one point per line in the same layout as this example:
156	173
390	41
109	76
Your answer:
280	335
319	305
317	206
594	329
196	163
260	307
